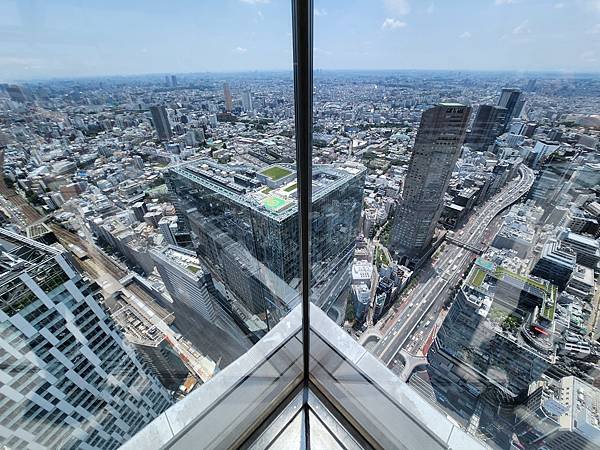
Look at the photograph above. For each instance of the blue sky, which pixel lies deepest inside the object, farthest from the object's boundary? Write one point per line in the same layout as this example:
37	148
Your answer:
42	38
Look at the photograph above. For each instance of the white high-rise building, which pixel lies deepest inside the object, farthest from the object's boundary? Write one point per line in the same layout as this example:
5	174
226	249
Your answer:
186	280
68	379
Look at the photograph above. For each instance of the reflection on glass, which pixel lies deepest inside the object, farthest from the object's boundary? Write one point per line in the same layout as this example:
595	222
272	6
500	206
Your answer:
150	272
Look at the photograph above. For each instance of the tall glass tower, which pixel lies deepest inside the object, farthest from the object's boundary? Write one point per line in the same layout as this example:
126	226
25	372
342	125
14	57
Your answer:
244	224
437	147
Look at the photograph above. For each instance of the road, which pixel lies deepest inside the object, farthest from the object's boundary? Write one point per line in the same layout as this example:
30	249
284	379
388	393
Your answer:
425	301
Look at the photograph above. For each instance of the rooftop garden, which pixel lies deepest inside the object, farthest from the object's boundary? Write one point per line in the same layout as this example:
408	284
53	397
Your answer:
291	187
549	306
508	322
501	271
193	269
276	173
273	203
380	257
477	278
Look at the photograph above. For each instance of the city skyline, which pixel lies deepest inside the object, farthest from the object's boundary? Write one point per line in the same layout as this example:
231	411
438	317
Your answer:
394	258
253	35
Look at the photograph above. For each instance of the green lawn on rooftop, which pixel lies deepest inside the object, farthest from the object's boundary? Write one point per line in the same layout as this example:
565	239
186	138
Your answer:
291	187
478	278
273	202
275	173
193	269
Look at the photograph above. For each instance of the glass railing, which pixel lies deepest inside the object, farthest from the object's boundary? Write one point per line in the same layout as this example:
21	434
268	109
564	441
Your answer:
369	404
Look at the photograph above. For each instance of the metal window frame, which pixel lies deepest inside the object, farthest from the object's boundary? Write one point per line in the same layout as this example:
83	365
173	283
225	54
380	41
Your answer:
302	32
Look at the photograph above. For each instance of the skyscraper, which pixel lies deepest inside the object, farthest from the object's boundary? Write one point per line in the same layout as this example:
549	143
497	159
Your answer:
488	125
16	93
244	225
69	380
437	147
247	101
228	98
510	98
161	122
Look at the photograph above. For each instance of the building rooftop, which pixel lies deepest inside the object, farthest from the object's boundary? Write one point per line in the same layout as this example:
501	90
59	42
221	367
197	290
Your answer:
496	291
253	188
354	401
185	259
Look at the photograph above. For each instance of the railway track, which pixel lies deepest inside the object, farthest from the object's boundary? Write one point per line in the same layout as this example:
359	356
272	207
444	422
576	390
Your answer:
31	214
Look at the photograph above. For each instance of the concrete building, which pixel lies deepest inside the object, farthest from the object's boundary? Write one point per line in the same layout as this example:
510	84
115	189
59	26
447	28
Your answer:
247	101
556	263
160	119
488	125
586	247
510	98
152	347
228	97
69	380
581	283
186	280
436	150
361	297
168	228
563	414
497	338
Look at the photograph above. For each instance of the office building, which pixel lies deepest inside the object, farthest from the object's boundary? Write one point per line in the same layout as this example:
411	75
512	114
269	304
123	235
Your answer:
488	125
560	414
186	280
160	119
151	346
586	247
361	298
241	217
510	98
69	380
168	228
497	338
247	101
436	150
556	263
228	97
16	93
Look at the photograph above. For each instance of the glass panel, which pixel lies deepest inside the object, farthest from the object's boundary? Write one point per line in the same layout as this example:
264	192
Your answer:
473	266
161	157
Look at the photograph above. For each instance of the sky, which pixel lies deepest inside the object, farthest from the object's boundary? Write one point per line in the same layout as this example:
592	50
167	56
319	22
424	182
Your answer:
73	38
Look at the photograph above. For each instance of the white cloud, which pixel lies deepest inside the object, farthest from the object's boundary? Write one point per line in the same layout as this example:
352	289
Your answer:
431	8
504	2
255	2
261	15
522	28
595	29
392	24
240	49
465	35
397	7
320	12
559	5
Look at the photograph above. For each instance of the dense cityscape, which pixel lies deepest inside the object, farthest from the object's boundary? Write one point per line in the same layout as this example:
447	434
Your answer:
150	238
